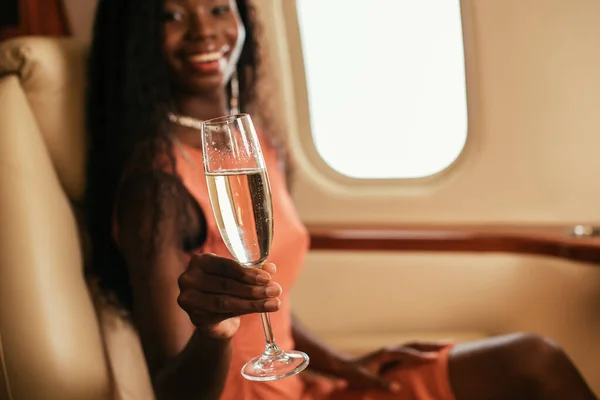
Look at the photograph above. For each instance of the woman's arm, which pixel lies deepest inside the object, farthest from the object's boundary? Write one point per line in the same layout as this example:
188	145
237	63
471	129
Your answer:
183	364
323	359
197	372
188	352
365	372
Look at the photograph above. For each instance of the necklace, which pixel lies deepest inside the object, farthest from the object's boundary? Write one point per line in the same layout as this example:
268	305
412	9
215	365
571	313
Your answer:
186	121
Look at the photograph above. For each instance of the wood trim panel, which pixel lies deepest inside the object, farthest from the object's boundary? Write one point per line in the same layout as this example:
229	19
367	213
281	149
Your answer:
39	17
553	241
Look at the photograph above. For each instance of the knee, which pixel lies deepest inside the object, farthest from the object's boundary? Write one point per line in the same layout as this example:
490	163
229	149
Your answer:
535	356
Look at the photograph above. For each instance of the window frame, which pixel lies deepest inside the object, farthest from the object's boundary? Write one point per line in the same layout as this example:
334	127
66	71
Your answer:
298	116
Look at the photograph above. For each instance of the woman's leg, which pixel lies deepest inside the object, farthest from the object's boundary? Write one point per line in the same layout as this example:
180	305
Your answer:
517	366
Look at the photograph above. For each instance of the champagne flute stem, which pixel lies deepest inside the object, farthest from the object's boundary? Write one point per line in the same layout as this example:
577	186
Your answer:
266	323
267	329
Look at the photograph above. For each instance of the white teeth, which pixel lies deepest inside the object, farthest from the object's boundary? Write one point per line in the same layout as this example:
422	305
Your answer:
206	57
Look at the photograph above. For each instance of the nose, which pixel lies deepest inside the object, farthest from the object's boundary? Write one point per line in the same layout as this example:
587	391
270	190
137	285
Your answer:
202	26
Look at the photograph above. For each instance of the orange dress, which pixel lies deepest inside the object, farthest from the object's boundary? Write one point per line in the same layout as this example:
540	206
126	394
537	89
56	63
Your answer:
289	248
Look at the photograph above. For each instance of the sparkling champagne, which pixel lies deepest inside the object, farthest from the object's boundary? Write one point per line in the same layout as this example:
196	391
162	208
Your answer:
245	214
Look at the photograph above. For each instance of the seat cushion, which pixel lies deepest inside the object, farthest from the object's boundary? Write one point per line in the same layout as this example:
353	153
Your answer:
49	333
51	73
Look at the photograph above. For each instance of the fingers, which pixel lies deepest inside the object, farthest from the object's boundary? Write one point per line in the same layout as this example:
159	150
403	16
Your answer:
227	268
428	346
214	288
218	285
390	386
216	275
379	363
224	306
270	268
393	386
405	356
364	379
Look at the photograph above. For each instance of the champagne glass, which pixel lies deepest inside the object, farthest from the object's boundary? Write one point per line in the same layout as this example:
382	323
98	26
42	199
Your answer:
240	197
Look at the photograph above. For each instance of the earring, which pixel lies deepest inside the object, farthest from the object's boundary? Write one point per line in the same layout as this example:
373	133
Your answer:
235	94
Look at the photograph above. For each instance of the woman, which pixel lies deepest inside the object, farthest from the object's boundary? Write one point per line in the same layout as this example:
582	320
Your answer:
157	68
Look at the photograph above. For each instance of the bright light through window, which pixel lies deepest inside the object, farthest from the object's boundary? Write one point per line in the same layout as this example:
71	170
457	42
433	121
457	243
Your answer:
386	84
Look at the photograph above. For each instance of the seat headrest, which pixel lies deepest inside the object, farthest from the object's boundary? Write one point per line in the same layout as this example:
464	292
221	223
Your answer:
52	75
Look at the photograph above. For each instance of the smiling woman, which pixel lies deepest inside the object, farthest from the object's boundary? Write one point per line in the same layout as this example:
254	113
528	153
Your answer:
199	65
158	69
153	66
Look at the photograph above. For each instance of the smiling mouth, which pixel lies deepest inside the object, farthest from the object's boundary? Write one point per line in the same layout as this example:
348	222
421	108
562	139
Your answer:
208	57
208	62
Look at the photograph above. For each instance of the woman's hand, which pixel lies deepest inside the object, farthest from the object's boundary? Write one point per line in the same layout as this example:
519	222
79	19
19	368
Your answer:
216	291
367	372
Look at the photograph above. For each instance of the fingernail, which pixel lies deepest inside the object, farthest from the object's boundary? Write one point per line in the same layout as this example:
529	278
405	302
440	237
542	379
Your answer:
263	278
273	291
269	264
272	305
395	387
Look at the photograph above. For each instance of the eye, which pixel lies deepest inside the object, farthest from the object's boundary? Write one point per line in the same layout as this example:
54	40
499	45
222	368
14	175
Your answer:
170	16
221	10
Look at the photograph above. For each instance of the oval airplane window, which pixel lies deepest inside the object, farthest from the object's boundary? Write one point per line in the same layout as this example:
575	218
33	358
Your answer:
386	85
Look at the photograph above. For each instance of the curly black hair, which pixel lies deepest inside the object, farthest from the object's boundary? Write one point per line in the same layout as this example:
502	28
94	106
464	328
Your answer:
128	100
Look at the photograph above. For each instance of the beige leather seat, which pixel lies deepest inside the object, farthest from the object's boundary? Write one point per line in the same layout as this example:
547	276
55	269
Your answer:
57	340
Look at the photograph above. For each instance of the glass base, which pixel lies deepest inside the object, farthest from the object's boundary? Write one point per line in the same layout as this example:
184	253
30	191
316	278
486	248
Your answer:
275	364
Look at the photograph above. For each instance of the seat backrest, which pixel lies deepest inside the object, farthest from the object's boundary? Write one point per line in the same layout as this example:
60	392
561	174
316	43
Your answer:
58	338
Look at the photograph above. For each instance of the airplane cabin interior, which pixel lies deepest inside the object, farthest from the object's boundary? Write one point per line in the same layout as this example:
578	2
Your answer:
445	163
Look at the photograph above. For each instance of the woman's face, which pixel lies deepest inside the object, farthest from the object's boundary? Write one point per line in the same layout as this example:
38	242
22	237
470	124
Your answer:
203	42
